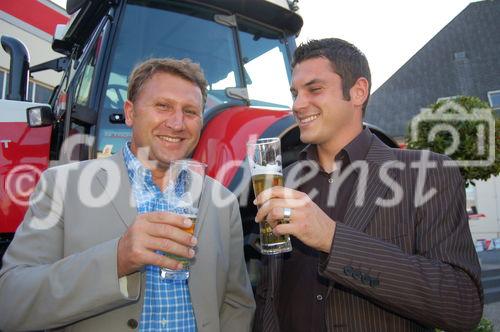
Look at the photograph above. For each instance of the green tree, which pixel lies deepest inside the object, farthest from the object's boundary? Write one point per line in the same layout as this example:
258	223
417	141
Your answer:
483	326
467	121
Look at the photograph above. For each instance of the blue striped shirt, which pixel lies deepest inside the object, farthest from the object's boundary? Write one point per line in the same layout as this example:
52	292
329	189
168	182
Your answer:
167	303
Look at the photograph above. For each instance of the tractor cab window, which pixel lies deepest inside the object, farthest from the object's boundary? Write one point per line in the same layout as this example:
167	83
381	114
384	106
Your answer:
169	29
77	94
157	29
266	65
258	64
84	82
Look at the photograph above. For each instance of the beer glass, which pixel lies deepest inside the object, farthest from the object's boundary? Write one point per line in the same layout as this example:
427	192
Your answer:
264	158
185	186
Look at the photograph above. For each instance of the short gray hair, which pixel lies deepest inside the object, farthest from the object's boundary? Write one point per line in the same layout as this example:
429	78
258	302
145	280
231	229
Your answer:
184	68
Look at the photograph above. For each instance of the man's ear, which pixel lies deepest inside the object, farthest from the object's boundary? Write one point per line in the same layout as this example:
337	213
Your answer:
360	91
128	109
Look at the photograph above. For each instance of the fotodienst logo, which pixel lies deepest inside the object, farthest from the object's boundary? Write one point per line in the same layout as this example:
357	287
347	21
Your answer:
448	127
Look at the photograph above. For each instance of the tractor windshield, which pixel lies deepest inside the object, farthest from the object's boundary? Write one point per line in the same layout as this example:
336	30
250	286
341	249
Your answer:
179	30
233	52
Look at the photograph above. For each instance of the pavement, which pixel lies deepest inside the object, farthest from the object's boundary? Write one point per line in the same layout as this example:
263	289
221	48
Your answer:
491	260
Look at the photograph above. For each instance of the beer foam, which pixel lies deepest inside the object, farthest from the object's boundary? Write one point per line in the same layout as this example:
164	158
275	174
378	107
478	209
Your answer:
269	169
190	215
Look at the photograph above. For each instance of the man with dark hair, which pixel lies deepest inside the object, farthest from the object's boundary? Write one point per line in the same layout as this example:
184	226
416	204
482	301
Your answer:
86	264
345	59
380	236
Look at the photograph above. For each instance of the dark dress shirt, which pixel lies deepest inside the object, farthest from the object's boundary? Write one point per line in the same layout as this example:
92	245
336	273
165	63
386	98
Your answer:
302	289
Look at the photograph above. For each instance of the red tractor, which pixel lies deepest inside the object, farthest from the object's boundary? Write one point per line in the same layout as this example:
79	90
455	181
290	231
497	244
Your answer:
244	48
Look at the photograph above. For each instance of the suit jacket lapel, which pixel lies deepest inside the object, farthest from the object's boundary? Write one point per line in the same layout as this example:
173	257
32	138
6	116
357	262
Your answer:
359	215
270	312
361	211
197	281
122	200
203	206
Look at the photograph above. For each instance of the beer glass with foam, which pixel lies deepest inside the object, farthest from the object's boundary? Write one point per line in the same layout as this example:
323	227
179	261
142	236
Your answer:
264	158
185	178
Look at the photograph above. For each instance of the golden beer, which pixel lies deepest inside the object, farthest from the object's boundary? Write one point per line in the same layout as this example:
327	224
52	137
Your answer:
269	242
185	261
264	159
183	193
194	219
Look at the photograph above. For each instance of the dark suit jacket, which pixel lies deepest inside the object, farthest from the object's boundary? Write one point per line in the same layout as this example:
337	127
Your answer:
405	267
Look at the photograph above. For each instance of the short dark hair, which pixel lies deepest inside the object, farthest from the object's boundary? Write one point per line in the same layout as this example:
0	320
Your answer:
345	59
184	68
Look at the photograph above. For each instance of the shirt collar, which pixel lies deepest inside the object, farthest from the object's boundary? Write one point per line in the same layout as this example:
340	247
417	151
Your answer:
355	150
358	148
140	177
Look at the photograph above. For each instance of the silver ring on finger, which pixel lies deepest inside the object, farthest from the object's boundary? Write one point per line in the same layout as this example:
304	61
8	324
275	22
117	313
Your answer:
287	215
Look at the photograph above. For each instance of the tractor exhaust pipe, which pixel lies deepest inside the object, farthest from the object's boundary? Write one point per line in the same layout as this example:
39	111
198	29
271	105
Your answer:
19	68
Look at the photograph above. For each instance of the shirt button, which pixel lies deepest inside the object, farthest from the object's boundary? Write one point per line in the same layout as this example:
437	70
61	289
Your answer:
132	323
319	297
330	180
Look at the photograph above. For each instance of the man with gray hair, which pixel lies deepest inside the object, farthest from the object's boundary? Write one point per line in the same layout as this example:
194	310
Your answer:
97	268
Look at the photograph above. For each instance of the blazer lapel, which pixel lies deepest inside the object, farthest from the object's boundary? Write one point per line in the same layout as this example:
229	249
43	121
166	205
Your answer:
359	214
200	295
361	209
122	200
203	206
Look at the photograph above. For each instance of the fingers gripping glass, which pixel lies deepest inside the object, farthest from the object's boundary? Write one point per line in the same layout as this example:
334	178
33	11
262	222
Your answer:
264	158
185	178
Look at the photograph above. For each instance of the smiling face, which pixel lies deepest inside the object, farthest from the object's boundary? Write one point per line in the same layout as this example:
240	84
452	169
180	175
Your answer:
324	117
165	117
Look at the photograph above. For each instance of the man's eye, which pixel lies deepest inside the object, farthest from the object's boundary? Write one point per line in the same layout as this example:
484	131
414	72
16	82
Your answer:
191	112
164	107
316	89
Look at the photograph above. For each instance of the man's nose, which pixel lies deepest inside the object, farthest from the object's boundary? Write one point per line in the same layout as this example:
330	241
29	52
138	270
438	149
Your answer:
175	120
300	102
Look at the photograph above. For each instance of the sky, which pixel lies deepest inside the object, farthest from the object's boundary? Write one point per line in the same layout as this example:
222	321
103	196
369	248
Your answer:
389	32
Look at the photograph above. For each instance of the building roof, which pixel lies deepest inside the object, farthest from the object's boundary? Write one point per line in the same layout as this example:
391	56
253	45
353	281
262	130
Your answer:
462	59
